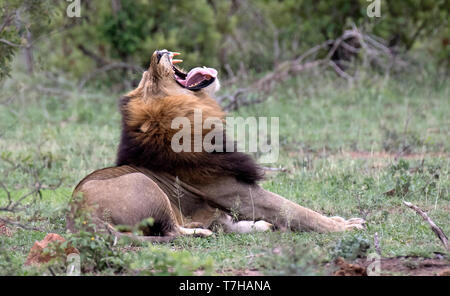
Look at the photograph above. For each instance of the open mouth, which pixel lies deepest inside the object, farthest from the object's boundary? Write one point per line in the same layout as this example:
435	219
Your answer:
196	79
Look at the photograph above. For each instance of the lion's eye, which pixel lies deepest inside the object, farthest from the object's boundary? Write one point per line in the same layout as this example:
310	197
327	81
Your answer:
160	53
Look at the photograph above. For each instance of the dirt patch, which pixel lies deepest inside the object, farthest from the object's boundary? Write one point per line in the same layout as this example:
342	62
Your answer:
349	269
5	230
405	265
40	252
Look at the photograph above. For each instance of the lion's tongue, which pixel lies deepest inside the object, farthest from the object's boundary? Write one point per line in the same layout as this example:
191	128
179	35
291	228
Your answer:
197	75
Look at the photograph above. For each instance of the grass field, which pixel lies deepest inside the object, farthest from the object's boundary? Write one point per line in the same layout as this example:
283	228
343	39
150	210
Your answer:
352	151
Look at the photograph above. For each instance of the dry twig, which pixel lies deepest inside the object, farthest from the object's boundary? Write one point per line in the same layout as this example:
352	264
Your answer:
13	205
436	229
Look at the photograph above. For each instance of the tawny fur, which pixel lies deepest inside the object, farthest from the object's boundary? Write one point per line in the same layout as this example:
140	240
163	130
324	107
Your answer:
147	115
211	183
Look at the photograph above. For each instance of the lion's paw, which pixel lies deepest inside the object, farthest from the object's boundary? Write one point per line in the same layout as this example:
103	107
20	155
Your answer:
200	232
355	223
350	224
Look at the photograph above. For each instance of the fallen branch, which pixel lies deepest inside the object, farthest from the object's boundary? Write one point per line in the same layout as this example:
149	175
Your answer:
436	229
339	71
369	47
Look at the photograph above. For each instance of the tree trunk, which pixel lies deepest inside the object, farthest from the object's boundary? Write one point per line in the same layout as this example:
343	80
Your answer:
28	53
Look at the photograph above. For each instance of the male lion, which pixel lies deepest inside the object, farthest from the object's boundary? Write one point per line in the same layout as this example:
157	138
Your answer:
183	190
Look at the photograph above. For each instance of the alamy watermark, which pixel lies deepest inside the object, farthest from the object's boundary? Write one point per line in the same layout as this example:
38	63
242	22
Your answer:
374	8
74	8
251	134
73	264
374	268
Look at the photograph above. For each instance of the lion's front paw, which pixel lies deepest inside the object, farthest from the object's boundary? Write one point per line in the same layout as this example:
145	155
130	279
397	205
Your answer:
350	224
355	223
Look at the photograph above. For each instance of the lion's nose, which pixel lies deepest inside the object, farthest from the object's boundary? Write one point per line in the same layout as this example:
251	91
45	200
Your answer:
160	53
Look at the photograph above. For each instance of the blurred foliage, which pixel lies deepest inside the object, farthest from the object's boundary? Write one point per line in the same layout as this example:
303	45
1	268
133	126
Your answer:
18	18
231	35
351	246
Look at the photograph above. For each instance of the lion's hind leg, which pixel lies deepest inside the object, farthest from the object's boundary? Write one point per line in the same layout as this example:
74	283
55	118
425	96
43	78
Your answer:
119	200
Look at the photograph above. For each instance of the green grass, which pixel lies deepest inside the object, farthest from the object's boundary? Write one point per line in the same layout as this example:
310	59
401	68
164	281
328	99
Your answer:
69	133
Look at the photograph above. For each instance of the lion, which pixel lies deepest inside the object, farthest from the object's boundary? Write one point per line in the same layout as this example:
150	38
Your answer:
185	193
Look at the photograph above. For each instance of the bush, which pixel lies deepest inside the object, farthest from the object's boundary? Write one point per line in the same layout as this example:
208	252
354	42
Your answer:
234	36
351	246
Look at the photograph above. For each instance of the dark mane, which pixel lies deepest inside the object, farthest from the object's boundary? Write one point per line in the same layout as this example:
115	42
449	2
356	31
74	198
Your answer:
156	154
